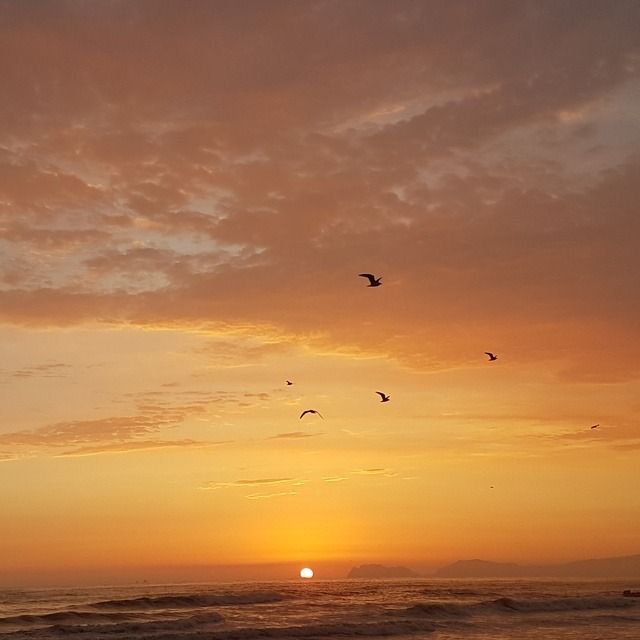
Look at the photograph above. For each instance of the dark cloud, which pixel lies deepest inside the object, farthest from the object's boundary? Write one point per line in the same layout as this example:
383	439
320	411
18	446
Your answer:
223	166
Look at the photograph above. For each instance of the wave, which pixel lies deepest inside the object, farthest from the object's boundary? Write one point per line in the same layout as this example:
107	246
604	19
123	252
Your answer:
439	610
187	629
190	601
500	605
370	629
138	628
78	617
612	617
541	605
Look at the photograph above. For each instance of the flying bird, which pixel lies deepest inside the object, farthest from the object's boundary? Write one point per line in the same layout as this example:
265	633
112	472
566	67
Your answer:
595	426
289	383
492	356
373	281
383	396
310	411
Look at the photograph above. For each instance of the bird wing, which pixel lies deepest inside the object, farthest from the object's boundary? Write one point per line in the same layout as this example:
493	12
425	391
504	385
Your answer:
369	276
382	395
304	413
489	354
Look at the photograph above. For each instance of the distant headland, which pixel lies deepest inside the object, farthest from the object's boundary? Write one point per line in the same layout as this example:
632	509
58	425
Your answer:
596	568
619	567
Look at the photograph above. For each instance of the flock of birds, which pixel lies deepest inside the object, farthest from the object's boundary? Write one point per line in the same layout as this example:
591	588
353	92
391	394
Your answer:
377	282
373	282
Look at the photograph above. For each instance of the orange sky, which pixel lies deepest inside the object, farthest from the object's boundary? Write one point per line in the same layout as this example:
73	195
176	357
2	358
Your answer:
187	194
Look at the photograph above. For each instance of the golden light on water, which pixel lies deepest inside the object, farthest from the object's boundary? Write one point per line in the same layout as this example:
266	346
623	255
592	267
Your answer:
306	573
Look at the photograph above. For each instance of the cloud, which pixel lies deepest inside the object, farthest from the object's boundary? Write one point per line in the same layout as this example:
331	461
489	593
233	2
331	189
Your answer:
192	401
261	496
233	353
63	434
293	435
249	483
376	471
480	157
47	370
259	396
262	481
621	434
156	412
140	445
628	446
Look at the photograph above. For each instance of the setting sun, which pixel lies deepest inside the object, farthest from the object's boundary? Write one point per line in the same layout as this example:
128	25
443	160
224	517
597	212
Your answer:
306	573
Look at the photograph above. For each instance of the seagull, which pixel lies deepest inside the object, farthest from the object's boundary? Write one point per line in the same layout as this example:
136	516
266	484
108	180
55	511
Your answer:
383	397
310	411
373	281
595	426
492	356
289	383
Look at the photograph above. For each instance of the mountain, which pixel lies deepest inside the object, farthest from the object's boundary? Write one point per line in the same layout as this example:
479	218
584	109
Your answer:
480	569
380	571
620	567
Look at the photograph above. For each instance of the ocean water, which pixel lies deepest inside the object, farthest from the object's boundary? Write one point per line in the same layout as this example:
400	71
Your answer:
434	609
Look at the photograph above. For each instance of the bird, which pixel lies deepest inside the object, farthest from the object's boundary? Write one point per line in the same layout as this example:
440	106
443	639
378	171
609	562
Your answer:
595	426
289	383
310	411
373	281
492	356
383	396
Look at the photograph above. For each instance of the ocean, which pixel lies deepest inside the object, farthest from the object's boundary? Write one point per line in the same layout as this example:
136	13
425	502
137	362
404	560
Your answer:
402	609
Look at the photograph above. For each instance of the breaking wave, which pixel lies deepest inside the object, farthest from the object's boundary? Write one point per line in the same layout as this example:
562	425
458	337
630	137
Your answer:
303	613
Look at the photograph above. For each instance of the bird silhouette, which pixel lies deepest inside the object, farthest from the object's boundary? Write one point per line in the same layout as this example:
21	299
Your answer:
492	356
310	411
289	383
383	396
595	426
373	281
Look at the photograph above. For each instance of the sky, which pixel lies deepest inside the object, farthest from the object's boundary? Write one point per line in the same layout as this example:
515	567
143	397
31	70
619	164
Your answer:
188	192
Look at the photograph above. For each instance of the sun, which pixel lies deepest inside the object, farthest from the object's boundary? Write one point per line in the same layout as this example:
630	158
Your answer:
306	573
